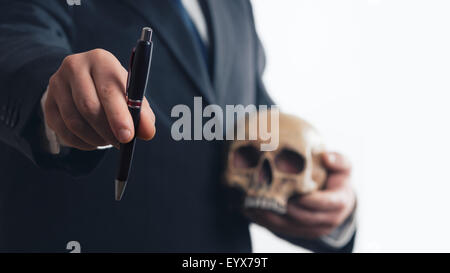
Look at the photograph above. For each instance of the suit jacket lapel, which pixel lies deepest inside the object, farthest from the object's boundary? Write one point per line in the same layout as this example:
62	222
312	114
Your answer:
170	28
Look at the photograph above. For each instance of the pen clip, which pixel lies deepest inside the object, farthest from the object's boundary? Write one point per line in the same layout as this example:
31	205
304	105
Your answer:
129	69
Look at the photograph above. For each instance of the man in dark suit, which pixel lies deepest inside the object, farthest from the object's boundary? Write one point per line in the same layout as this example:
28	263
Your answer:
62	74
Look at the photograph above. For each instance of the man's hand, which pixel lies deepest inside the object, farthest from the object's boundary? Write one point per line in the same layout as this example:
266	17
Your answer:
316	214
86	104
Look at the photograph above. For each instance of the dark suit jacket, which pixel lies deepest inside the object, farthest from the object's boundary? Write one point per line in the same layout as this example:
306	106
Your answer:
174	201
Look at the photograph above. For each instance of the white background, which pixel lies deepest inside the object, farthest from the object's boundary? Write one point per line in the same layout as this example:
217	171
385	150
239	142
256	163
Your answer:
374	77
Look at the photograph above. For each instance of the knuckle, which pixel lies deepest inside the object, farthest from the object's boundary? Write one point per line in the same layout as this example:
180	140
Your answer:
75	124
335	221
89	108
70	63
53	80
54	83
107	90
100	53
110	93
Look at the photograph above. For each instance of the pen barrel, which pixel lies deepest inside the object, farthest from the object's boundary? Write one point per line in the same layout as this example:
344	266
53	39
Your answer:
126	157
127	149
137	84
139	70
138	73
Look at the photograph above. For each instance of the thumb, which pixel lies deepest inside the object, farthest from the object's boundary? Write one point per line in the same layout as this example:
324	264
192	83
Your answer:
147	128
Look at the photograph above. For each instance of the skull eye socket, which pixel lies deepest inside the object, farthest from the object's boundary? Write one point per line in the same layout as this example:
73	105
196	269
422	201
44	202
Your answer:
246	157
288	161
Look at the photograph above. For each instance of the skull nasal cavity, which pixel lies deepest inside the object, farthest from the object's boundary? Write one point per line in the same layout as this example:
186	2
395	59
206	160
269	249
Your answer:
265	173
246	157
291	162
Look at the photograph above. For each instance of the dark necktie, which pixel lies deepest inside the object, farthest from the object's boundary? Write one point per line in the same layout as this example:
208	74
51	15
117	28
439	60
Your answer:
194	32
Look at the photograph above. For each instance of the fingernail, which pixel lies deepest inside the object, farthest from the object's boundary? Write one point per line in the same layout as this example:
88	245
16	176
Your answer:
124	135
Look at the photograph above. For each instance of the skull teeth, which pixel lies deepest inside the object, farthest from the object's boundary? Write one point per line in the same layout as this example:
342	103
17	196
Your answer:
260	202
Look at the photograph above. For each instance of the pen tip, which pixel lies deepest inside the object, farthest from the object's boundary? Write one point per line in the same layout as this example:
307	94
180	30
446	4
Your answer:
120	188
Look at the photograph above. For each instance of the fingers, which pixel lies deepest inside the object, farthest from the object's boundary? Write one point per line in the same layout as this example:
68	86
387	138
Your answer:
88	96
337	195
336	162
102	103
309	218
322	201
67	111
318	213
88	104
283	225
57	124
110	84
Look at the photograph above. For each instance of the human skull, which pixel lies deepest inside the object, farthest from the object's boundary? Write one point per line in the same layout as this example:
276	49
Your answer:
269	178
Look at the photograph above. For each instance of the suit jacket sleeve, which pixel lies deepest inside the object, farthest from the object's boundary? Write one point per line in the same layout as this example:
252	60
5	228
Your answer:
34	39
263	98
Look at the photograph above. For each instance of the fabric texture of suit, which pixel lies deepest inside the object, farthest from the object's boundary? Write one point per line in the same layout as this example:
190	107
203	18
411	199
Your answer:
175	201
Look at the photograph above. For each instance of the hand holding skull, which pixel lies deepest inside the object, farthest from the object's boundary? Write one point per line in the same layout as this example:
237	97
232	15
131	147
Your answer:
318	213
298	190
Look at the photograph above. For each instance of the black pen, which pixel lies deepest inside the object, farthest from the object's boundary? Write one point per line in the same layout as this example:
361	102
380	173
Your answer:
138	73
